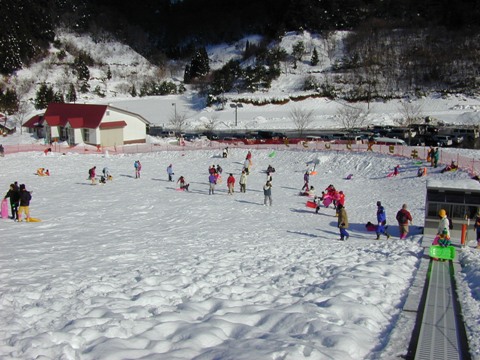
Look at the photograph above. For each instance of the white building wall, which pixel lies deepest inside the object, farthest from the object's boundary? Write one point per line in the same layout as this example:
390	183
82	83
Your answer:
135	130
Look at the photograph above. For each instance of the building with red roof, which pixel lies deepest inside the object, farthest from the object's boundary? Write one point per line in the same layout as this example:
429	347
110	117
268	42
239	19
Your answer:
91	124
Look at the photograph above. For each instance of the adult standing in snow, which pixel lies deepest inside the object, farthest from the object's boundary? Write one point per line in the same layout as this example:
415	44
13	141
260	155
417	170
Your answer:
404	218
381	221
306	179
249	157
436	156
91	174
477	227
269	176
267	193
243	182
212	180
14	194
170	172
25	197
246	166
343	222
443	224
231	184
138	168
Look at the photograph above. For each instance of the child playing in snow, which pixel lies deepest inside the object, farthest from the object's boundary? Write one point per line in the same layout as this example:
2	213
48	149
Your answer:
183	184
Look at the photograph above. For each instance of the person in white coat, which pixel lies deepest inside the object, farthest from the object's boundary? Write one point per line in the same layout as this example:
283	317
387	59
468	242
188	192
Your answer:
243	182
444	224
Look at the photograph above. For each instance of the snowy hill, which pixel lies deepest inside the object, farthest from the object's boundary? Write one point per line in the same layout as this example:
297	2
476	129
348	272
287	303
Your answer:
127	68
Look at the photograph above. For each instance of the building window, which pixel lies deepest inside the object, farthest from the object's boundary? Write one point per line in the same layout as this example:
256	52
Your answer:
86	135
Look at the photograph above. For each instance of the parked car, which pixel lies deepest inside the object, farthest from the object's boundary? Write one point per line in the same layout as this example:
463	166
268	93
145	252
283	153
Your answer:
167	133
191	137
211	136
443	140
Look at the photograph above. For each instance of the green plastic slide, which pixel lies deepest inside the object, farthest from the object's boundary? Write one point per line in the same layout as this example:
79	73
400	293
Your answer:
440	252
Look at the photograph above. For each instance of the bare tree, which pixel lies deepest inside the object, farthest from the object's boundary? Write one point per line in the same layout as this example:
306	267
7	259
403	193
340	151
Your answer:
24	107
210	124
301	118
352	117
178	122
411	113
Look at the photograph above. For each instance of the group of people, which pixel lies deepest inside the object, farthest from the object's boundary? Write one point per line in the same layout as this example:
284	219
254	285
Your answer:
403	217
433	156
43	172
20	199
106	175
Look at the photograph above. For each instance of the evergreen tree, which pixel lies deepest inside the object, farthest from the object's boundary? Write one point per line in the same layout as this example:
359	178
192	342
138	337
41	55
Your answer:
133	91
200	64
80	68
58	97
109	73
72	94
187	77
297	52
9	101
314	60
84	87
44	96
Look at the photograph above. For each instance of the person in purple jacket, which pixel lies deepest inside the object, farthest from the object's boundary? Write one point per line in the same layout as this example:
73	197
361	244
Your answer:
212	180
382	221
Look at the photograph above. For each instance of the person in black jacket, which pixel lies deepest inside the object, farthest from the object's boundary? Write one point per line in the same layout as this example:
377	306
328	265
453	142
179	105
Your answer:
25	197
14	195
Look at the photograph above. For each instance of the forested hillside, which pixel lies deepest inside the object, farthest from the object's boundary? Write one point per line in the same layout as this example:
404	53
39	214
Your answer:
393	47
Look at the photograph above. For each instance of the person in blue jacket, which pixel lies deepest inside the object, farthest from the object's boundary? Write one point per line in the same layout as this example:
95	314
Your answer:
170	172
381	221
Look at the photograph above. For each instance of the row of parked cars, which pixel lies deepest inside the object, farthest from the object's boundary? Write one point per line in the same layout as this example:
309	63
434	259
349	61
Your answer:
419	135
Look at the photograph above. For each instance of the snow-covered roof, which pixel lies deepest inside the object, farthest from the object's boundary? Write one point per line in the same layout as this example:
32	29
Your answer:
464	184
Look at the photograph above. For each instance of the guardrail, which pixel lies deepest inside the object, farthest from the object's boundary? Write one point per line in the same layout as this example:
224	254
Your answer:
466	163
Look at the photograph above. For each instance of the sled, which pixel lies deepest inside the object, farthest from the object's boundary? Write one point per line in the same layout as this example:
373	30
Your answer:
327	201
370	227
418	162
313	172
311	204
392	174
4	209
349	177
272	154
180	189
32	219
440	252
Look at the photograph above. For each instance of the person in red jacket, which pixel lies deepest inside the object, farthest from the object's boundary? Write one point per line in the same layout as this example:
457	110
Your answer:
231	184
404	218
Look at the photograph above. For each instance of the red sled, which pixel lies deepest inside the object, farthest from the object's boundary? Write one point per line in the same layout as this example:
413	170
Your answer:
311	204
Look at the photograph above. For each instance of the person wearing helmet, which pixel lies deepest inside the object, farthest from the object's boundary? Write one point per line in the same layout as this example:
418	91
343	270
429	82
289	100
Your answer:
443	224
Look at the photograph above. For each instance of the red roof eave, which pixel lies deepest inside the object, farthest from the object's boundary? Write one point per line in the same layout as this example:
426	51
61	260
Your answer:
113	124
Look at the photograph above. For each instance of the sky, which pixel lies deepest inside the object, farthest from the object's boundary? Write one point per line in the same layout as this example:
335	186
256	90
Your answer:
135	269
